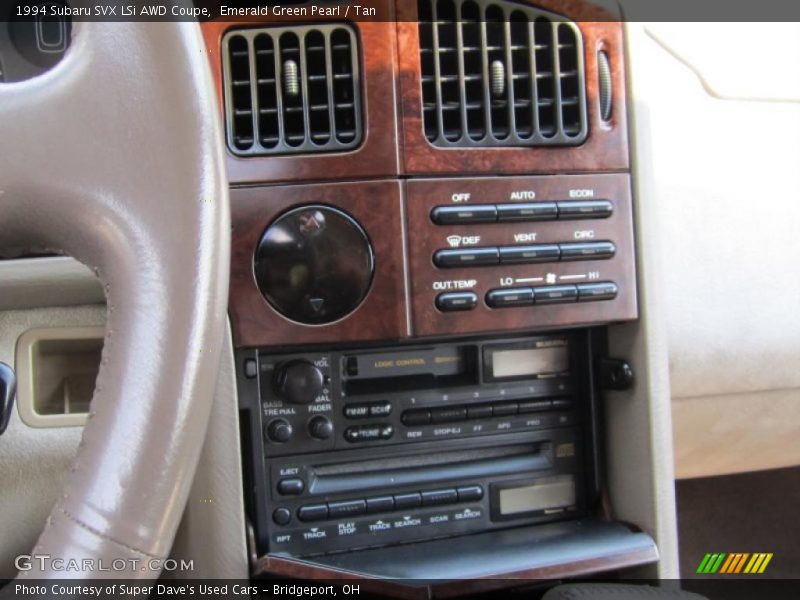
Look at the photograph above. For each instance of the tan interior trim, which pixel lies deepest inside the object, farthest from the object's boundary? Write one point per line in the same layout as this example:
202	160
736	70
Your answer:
736	433
26	374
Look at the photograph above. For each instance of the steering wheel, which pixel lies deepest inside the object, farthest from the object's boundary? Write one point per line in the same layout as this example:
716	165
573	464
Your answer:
115	157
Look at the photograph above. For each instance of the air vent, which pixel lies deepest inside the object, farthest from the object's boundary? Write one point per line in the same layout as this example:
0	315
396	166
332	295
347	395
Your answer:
500	74
292	90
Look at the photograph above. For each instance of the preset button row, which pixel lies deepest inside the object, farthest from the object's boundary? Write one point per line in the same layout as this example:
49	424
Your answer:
522	211
515	255
451	414
380	504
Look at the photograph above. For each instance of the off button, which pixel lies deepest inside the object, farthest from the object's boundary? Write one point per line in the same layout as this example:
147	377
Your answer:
454	301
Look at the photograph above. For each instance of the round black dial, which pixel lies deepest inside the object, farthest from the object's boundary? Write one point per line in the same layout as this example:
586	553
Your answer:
299	382
279	431
320	427
314	264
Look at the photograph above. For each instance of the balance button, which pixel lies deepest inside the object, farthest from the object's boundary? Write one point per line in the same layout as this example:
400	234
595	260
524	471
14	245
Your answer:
530	406
587	250
282	516
448	414
380	409
585	209
348	508
446	259
291	487
555	294
470	493
413	418
589	292
380	504
313	512
403	501
451	301
481	411
506	298
452	215
437	497
527	211
536	253
504	409
356	411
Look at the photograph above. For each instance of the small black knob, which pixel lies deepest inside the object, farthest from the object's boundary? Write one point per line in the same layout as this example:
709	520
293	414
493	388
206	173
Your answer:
282	516
279	431
320	427
299	382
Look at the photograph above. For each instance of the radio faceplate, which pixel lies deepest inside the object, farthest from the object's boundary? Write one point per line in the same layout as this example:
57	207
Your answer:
364	447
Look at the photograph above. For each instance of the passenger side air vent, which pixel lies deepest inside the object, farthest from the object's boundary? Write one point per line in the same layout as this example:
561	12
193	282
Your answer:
500	74
292	90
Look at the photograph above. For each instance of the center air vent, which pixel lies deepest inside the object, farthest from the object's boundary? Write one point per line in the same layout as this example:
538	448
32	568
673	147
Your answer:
500	74
292	90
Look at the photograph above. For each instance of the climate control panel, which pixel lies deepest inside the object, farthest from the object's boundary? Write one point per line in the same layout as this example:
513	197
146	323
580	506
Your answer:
502	253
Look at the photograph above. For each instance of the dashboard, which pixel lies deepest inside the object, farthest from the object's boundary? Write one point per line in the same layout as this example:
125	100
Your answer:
433	226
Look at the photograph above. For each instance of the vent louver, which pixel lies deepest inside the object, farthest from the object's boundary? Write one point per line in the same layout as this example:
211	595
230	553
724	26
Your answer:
500	74
292	90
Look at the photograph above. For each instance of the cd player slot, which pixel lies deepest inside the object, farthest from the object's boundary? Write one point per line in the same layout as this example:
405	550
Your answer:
536	458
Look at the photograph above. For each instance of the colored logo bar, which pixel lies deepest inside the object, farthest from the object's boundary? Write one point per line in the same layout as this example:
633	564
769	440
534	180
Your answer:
734	563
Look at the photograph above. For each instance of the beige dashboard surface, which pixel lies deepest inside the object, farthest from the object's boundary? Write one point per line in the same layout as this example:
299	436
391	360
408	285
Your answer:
723	163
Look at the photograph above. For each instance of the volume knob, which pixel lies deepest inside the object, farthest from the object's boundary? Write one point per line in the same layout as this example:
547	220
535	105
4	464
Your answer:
299	382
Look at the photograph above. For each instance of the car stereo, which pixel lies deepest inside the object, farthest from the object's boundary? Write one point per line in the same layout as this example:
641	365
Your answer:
353	448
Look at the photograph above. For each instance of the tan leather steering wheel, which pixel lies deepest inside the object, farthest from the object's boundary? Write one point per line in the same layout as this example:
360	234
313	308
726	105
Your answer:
115	157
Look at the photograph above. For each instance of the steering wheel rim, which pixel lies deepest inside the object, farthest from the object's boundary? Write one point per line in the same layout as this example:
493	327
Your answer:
118	161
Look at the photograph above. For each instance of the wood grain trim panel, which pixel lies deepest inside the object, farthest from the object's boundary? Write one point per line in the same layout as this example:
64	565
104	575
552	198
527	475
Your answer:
606	148
377	156
383	313
425	238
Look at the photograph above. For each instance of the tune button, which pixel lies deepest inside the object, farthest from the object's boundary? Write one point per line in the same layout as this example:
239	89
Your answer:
368	433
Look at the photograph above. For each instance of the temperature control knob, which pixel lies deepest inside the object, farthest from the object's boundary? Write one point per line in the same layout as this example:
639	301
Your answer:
279	431
320	427
299	382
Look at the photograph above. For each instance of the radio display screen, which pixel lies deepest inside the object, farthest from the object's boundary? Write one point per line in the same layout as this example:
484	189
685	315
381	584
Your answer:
552	493
529	362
